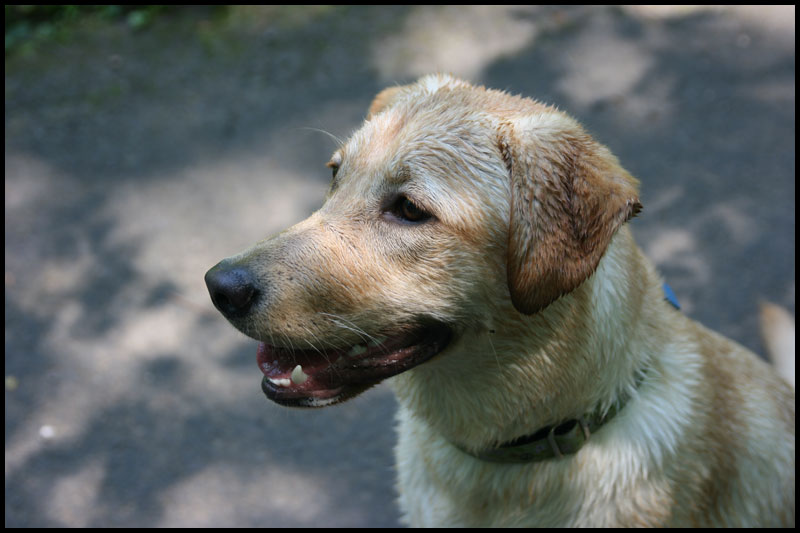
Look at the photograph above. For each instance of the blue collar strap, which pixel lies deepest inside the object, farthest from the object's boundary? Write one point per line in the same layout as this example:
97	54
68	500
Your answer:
670	296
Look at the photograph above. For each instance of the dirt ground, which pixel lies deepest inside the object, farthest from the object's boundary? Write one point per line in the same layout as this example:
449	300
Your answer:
135	160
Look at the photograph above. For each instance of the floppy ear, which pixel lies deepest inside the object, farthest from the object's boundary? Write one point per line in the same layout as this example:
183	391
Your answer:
569	195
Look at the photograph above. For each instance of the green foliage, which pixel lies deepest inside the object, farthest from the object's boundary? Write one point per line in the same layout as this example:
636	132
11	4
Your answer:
28	25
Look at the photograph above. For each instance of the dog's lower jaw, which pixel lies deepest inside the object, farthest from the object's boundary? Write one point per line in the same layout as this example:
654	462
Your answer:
325	399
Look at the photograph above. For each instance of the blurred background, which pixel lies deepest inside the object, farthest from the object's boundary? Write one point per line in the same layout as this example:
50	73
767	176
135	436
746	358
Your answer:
144	144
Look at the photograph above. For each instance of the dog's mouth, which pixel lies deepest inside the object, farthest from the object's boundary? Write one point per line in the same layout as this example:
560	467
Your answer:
317	378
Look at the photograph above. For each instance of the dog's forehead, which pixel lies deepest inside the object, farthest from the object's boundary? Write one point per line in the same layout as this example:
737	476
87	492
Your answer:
376	141
427	130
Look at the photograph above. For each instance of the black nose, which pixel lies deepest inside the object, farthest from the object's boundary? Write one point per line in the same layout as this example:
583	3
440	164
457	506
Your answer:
232	288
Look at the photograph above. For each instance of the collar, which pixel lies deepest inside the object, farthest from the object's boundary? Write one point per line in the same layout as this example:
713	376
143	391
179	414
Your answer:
551	442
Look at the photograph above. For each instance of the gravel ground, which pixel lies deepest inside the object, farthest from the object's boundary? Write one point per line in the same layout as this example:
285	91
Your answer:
135	160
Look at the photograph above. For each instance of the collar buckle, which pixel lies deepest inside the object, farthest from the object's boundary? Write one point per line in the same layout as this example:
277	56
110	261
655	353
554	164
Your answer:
569	437
551	440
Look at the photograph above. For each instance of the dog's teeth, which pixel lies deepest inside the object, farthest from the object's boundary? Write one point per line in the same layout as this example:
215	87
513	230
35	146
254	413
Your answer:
298	376
282	382
358	349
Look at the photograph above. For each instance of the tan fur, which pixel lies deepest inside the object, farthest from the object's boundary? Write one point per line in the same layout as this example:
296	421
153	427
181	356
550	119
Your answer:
555	312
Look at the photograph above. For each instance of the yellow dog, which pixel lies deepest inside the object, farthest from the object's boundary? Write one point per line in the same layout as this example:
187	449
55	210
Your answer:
473	248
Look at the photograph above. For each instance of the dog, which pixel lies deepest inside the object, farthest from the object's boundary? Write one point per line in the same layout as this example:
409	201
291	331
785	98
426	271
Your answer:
473	249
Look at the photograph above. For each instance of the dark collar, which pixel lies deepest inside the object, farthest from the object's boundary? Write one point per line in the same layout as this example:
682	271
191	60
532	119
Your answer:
551	442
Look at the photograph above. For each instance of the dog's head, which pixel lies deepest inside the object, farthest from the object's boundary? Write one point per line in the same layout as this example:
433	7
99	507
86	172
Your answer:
451	205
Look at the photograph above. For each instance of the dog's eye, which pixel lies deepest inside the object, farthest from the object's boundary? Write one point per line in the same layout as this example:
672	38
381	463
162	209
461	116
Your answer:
408	211
334	164
334	168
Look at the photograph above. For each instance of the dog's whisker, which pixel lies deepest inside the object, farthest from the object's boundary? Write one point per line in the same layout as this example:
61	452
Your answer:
319	350
367	339
350	326
496	357
339	142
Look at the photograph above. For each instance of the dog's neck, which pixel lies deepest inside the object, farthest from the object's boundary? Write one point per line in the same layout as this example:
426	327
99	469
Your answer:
568	437
511	378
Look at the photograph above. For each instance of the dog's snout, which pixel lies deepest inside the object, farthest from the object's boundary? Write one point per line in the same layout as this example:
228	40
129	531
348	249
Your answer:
232	288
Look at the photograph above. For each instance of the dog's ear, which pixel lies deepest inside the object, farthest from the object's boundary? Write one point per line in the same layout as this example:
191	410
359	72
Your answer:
385	99
569	195
426	85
